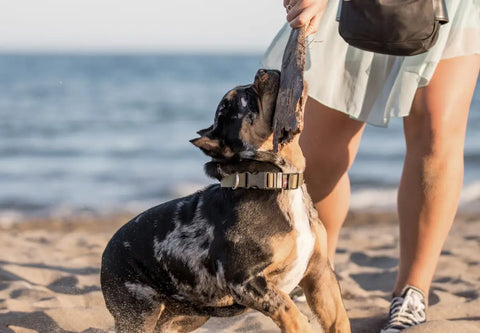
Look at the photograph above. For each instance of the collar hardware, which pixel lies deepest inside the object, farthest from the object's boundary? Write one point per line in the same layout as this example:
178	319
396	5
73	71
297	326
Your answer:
263	180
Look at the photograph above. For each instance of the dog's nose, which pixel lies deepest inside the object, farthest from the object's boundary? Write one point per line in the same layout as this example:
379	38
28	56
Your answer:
261	75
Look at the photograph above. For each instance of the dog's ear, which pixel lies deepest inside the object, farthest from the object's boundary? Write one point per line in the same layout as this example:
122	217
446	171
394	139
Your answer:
209	146
204	131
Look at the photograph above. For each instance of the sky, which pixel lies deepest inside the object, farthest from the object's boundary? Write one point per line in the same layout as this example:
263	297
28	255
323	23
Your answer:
140	25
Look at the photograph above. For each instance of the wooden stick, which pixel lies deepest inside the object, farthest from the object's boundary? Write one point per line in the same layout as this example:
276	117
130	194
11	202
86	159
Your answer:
292	94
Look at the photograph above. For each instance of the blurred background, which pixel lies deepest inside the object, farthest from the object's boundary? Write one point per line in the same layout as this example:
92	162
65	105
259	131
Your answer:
99	99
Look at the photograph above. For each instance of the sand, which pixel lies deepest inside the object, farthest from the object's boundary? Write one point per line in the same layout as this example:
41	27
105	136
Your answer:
49	277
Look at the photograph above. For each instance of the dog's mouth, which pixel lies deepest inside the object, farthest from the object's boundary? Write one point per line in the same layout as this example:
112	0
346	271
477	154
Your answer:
267	83
266	86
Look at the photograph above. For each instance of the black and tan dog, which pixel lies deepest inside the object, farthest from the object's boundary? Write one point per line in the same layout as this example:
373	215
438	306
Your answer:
244	244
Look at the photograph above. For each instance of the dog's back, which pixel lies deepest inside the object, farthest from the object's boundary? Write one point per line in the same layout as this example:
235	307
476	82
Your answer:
192	249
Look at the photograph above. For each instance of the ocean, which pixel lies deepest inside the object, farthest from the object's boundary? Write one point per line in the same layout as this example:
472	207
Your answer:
105	134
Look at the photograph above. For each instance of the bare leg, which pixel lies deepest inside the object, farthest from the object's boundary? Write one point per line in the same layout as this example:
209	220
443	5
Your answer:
329	143
433	171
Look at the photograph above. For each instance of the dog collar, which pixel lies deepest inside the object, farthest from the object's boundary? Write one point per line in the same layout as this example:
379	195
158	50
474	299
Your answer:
263	180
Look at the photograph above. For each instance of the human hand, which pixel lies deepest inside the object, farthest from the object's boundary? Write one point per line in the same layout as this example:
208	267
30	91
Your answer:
305	13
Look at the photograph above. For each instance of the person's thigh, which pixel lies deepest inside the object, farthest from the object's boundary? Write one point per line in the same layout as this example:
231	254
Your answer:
329	142
440	110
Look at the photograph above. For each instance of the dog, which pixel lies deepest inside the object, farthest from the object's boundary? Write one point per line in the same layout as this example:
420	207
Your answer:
243	244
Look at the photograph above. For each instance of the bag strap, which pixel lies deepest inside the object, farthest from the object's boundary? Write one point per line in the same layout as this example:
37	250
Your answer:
440	11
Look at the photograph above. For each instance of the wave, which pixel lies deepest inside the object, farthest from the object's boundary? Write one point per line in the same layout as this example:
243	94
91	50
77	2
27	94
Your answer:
363	199
386	198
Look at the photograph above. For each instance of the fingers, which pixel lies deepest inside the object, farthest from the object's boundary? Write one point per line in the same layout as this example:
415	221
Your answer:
299	17
289	4
305	13
313	25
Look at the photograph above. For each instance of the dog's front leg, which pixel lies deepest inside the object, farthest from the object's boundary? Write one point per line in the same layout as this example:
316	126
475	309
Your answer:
322	290
264	296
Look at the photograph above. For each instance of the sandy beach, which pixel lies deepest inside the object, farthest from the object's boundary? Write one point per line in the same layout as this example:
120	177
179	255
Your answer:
49	277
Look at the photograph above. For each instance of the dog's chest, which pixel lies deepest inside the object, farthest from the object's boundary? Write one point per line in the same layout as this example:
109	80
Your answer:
305	241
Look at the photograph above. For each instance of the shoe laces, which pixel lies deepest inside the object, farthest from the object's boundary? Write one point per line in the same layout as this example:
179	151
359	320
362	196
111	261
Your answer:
406	310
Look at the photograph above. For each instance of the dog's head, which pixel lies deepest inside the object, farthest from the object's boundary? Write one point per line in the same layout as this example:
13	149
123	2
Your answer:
243	122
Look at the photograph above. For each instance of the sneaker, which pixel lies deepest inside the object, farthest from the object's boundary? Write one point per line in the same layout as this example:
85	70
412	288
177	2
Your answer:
297	294
406	310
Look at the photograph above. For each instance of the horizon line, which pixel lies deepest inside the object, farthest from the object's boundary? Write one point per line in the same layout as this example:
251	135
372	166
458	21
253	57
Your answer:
139	51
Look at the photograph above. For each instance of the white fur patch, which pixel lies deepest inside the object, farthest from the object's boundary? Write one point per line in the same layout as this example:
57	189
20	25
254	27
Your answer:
305	242
221	275
244	102
141	291
247	153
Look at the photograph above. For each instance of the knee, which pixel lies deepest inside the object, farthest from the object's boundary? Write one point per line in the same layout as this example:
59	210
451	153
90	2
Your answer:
433	133
330	157
329	140
327	159
326	166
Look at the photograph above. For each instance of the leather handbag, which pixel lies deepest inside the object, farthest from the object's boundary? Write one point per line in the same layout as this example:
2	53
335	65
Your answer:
395	27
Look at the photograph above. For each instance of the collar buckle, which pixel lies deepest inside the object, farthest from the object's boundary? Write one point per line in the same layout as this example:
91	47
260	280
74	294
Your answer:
237	181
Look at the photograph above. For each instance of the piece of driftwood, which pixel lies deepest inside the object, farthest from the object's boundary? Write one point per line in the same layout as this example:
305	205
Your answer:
292	95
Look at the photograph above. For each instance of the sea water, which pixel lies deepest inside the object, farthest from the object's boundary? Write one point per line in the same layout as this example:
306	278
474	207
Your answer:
110	133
